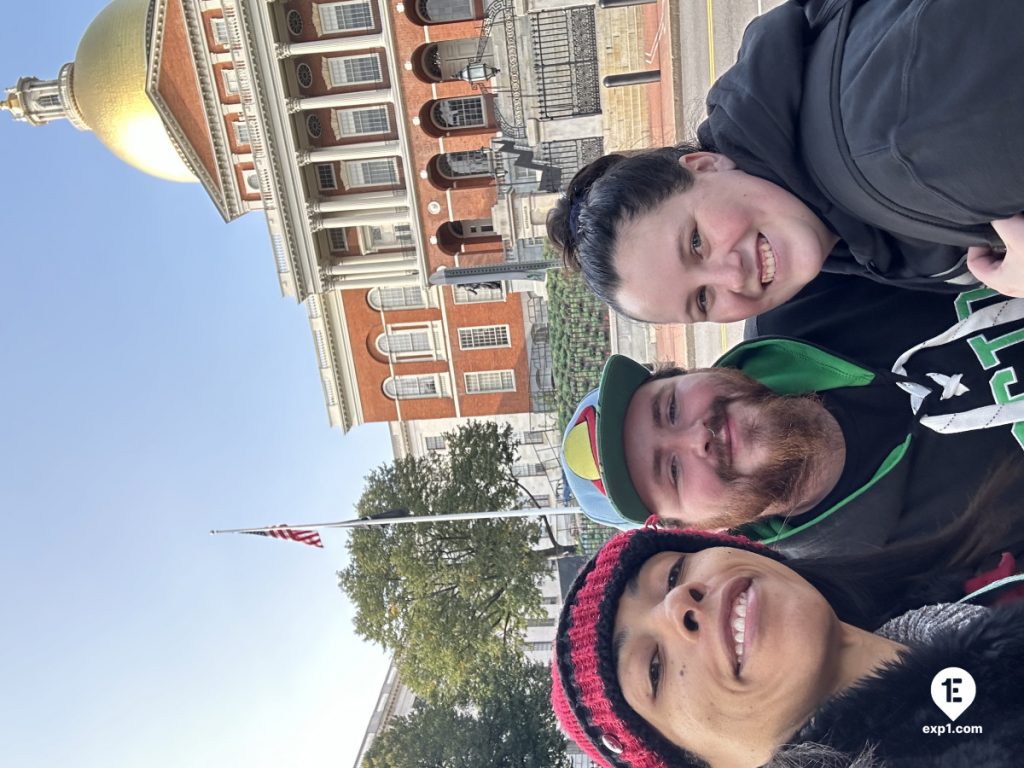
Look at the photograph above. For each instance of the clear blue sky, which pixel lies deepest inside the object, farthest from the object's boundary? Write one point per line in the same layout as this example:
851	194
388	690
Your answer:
155	385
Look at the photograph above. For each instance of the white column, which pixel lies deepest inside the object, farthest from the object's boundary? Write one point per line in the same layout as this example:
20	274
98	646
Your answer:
396	266
350	152
368	219
331	100
343	283
329	45
360	202
381	258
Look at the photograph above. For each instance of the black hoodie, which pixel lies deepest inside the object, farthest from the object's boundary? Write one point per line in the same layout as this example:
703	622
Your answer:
769	112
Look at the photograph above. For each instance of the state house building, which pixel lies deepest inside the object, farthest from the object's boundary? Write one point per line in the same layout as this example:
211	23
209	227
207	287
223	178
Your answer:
382	140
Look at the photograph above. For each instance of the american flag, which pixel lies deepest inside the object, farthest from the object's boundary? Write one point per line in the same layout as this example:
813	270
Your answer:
304	536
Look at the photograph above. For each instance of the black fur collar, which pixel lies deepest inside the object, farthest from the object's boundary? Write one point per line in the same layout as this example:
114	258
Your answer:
890	710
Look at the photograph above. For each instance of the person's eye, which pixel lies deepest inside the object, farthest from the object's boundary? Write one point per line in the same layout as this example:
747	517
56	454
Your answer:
696	242
673	471
654	672
702	300
674	571
673	410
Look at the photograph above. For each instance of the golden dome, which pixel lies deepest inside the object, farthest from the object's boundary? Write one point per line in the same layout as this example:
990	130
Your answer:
109	86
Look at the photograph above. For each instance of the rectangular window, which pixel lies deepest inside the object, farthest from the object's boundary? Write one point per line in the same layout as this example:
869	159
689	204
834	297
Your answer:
345	16
547	621
230	78
337	239
388	236
531	437
325	177
372	173
351	70
535	501
527	469
537	646
364	121
490	381
241	131
484	337
220	30
478	293
435	442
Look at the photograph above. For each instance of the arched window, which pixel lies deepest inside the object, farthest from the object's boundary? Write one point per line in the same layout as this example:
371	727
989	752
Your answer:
463	112
414	387
407	297
460	165
406	344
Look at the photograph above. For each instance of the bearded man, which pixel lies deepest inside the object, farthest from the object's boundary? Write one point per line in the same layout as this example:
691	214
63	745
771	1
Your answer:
802	448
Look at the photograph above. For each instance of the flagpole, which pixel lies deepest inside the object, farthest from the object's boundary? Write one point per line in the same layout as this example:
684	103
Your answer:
367	522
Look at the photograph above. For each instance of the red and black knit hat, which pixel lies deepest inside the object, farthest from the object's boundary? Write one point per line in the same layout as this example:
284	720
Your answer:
585	693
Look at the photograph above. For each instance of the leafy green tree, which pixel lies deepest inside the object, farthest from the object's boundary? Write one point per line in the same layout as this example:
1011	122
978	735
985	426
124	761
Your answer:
507	723
447	599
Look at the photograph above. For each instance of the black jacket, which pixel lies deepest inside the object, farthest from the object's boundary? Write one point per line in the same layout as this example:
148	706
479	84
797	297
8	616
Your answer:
912	466
859	109
890	710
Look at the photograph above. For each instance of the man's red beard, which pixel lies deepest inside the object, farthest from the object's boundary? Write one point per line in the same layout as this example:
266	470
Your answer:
790	427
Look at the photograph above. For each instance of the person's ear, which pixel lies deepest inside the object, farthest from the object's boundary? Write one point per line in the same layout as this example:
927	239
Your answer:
704	162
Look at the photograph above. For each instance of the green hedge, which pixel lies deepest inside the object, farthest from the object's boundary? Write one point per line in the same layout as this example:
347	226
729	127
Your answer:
578	323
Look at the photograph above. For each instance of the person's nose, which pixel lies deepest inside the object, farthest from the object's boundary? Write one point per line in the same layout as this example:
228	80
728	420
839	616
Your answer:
685	609
695	438
728	271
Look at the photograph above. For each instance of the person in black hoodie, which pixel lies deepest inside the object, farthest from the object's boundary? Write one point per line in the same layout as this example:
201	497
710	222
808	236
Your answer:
845	138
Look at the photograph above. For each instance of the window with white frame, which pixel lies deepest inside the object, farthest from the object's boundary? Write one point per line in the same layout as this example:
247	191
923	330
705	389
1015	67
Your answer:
537	646
478	382
351	70
345	16
435	442
407	297
414	387
381	172
325	177
230	78
484	337
364	121
220	30
463	112
478	293
527	469
241	129
388	236
407	343
337	239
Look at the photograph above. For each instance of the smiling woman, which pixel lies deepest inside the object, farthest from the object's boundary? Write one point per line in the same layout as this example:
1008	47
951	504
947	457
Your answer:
685	649
828	146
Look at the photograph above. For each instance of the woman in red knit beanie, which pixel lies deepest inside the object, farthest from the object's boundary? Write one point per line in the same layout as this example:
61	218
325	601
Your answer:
685	649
